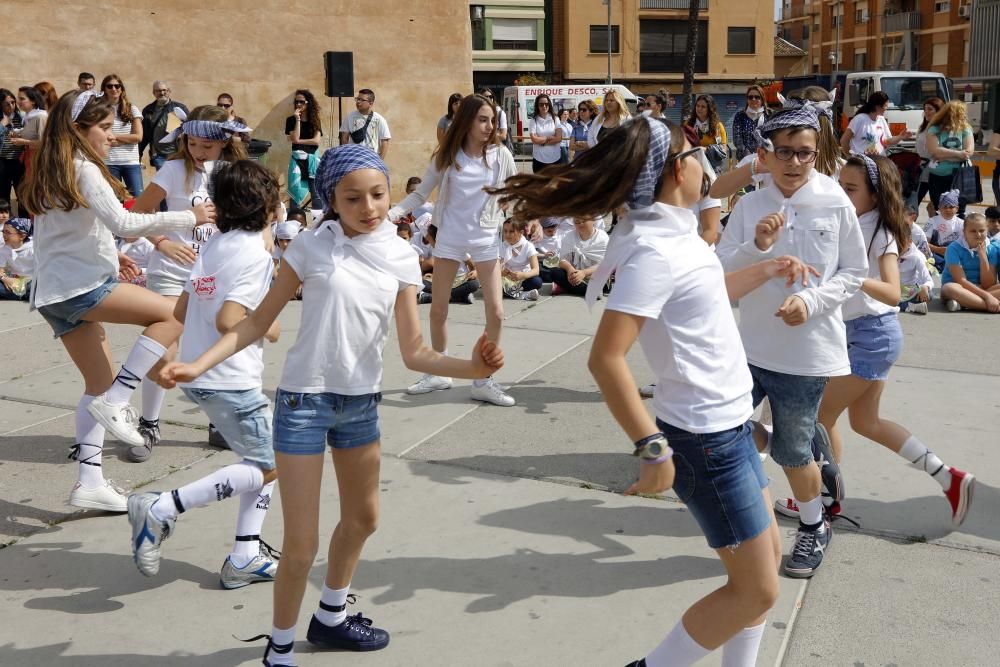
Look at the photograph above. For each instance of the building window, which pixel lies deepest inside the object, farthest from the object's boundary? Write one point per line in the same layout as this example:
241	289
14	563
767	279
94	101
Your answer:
860	60
519	34
892	52
478	35
942	6
939	55
805	31
599	39
861	15
742	40
663	46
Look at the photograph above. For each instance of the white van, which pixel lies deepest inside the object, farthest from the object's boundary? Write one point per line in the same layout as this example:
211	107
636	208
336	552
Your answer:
519	104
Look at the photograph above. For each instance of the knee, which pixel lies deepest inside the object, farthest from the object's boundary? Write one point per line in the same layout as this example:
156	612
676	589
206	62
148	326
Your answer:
758	598
361	526
298	555
494	314
439	312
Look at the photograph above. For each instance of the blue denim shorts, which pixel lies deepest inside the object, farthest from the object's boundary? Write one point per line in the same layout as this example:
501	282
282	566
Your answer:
67	315
307	423
874	343
243	417
794	406
719	477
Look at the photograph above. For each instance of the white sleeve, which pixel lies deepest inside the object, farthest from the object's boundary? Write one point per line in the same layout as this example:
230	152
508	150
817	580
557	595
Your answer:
643	284
250	286
103	203
136	113
345	126
734	250
383	129
502	123
296	256
430	180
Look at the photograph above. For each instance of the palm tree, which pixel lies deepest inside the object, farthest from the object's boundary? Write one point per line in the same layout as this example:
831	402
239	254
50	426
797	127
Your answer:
694	8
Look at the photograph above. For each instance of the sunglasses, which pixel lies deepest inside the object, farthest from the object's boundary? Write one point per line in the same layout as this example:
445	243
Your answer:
489	97
298	102
680	156
116	86
544	104
225	106
754	97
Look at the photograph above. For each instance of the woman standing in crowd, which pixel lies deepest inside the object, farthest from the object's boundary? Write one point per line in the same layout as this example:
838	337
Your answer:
355	274
48	93
993	152
950	142
205	137
931	106
34	116
567	132
546	134
746	123
711	132
614	112
123	161
468	221
868	132
303	130
503	135
656	104
453	101
75	288
11	168
586	113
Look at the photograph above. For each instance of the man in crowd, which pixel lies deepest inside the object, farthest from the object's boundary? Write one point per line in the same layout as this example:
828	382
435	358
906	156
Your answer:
366	126
154	124
85	81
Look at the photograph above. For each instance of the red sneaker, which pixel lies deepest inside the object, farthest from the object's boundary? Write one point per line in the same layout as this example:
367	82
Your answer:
788	507
960	494
556	290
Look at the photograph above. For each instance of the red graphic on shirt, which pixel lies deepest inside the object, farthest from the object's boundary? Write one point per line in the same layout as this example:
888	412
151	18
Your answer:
204	286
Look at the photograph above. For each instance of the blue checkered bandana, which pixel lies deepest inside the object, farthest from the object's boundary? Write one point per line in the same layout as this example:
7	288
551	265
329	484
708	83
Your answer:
949	198
796	114
339	162
644	191
207	129
22	225
872	168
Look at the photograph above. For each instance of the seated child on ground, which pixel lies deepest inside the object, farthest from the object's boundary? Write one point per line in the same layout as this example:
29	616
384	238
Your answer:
914	280
970	277
944	228
139	250
298	215
580	251
404	231
993	223
519	263
17	260
548	248
465	284
917	232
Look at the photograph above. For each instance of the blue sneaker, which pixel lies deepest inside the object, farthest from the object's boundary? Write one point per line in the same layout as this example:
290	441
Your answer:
147	533
822	449
354	634
808	551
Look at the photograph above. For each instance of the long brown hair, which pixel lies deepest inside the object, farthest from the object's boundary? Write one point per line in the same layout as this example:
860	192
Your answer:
952	117
48	92
713	114
828	160
935	102
891	210
51	182
597	181
124	108
231	152
454	137
312	109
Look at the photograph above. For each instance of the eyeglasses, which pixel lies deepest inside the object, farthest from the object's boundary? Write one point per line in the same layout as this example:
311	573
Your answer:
298	102
225	106
784	153
362	99
488	96
754	97
680	156
543	104
116	86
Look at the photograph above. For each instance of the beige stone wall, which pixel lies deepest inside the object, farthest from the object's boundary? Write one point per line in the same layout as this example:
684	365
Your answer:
413	54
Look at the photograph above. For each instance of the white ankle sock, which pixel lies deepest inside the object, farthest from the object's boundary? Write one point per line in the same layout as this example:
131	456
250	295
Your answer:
481	383
280	637
921	458
90	438
810	511
230	481
152	400
253	509
144	355
741	649
678	649
334	597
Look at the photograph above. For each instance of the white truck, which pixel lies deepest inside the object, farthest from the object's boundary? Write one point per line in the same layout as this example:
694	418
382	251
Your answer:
906	90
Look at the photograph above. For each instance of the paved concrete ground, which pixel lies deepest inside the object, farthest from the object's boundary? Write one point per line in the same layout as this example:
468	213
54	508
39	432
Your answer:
503	539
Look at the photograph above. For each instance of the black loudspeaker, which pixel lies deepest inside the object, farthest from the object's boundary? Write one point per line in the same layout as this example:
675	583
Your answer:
339	73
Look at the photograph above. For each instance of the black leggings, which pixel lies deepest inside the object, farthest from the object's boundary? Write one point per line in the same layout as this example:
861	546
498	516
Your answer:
559	277
940	185
537	166
11	173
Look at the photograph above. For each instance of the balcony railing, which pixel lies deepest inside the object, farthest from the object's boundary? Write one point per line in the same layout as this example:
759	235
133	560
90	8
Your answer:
671	4
901	22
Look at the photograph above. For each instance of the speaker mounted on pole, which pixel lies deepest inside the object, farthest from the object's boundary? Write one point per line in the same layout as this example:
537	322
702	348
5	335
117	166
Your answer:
339	67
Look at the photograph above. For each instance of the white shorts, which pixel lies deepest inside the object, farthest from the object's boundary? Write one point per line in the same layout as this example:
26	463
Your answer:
165	285
458	253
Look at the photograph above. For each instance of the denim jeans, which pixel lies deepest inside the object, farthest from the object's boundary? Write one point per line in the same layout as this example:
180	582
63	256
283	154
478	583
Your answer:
130	174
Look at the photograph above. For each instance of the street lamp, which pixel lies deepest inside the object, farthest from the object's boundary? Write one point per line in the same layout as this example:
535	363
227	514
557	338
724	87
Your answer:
608	4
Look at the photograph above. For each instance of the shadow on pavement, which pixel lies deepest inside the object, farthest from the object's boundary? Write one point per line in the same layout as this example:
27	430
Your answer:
614	471
532	400
55	654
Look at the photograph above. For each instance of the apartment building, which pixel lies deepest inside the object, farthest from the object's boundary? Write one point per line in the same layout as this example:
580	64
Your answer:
508	39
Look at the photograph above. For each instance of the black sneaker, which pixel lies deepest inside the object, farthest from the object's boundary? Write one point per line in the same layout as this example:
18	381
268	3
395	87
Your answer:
215	438
150	432
828	470
807	552
354	634
637	663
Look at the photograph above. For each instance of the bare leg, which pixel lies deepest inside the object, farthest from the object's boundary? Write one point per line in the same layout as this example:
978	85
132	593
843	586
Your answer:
444	274
965	298
131	304
840	393
87	346
489	278
865	420
357	480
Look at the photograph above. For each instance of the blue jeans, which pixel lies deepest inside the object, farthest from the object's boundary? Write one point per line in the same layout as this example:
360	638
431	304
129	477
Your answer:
7	295
157	161
874	343
67	315
130	174
243	417
794	406
305	424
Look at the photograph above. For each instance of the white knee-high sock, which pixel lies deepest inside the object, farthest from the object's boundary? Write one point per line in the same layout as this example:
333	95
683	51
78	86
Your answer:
279	638
741	649
253	509
152	400
144	355
810	511
678	649
230	481
921	458
89	445
335	599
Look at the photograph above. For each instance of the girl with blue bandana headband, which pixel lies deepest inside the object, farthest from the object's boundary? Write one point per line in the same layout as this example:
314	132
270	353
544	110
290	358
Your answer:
355	273
670	295
17	260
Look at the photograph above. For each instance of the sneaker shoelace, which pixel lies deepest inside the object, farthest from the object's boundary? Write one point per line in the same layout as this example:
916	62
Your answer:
805	543
361	624
130	415
268	550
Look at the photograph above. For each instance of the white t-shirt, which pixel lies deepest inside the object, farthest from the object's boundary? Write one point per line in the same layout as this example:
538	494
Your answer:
869	134
125	153
235	267
548	244
19	262
913	269
691	340
704	204
860	304
517	257
459	221
501	118
941	232
347	307
583	254
544	127
378	129
182	194
139	251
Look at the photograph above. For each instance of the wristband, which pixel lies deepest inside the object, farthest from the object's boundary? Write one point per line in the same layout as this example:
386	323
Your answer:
156	246
753	167
662	459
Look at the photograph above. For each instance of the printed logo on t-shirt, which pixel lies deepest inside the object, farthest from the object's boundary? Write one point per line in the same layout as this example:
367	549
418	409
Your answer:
205	286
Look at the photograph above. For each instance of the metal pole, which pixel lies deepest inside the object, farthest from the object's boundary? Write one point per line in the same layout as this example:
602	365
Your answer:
608	3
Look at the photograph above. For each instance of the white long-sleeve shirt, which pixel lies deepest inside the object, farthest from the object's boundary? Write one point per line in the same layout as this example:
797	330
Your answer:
822	229
75	250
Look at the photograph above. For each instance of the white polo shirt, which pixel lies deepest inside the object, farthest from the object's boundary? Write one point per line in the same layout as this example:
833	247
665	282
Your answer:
690	339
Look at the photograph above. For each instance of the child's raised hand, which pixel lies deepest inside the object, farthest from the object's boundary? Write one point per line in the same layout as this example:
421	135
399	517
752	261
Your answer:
175	372
792	269
793	311
487	356
768	230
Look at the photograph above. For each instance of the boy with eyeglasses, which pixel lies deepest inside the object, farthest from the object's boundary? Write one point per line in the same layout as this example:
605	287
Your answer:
794	337
365	125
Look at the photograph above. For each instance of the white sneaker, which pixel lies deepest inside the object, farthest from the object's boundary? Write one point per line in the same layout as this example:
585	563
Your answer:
470	298
530	295
491	393
917	308
429	383
647	391
107	497
121	420
423	298
952	306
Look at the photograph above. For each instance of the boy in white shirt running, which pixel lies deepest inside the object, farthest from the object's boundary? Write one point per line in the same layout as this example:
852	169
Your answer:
794	336
228	281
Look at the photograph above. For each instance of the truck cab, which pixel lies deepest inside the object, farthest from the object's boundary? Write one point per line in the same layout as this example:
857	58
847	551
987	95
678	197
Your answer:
906	90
